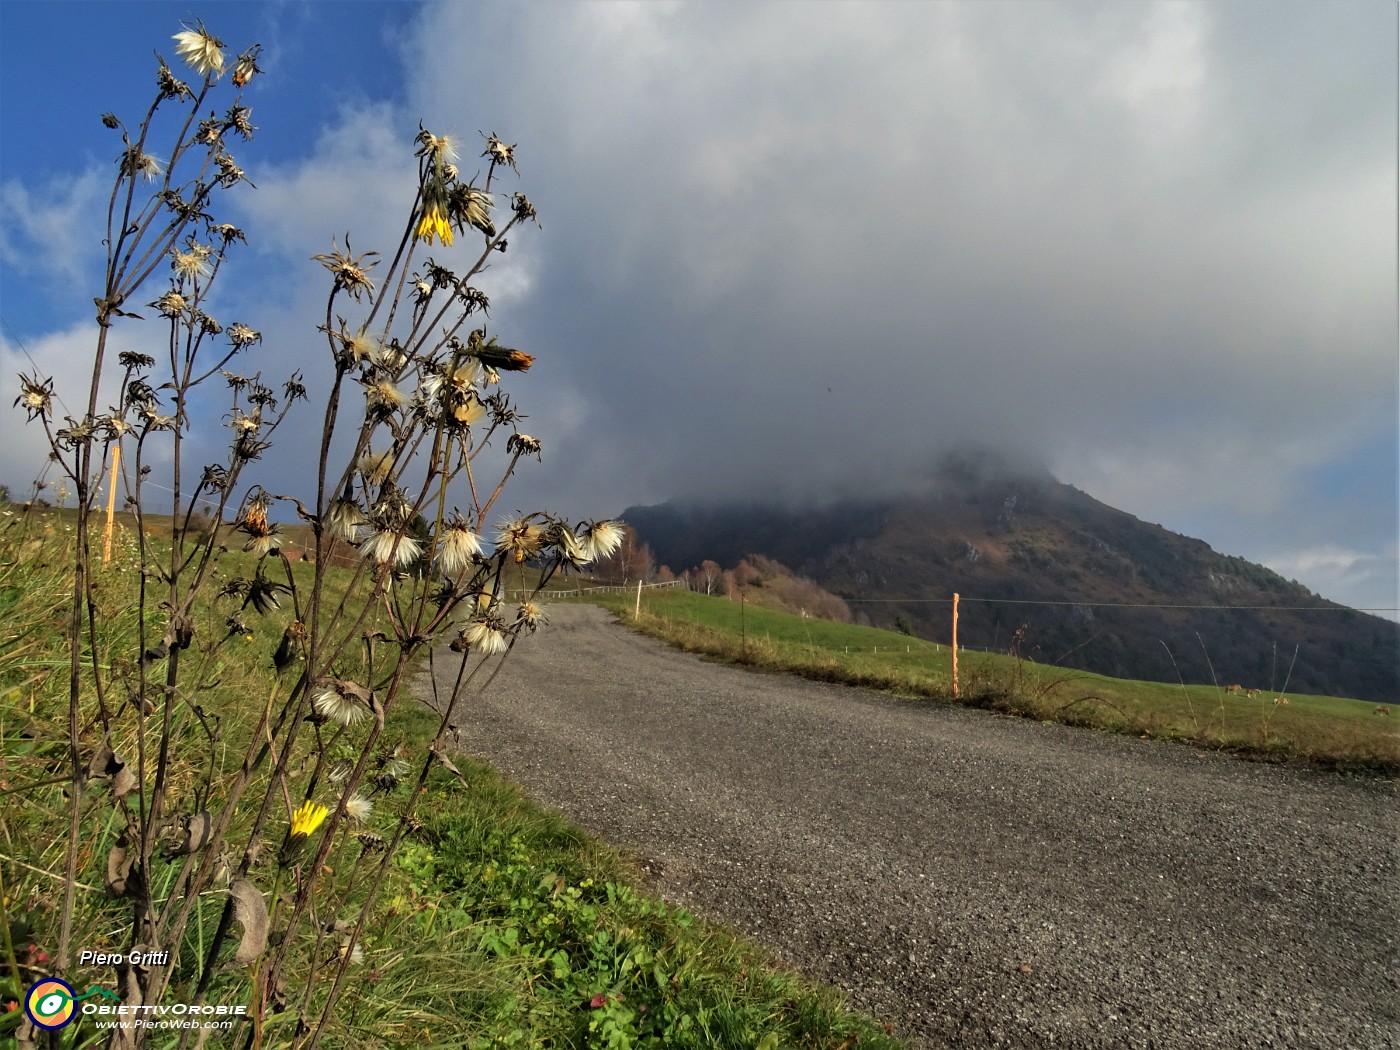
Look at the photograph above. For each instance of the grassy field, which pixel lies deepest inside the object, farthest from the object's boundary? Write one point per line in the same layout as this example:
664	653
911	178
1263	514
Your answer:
1334	732
500	923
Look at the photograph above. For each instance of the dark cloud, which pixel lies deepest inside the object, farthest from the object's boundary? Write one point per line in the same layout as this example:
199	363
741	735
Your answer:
790	245
800	249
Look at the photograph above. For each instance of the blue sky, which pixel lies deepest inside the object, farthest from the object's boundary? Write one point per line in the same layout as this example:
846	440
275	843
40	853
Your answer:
802	248
325	55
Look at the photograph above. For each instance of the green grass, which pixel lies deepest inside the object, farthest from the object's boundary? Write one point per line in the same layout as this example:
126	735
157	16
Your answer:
1333	732
564	949
500	924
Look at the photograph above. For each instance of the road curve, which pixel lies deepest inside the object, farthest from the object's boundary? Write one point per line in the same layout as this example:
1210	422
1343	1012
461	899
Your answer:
977	881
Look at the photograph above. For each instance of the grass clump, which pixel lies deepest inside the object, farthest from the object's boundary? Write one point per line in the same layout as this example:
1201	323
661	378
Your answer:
584	958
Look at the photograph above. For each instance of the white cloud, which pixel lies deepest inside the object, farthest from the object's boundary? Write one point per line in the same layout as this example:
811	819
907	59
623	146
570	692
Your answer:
66	357
359	179
1153	243
1161	75
46	230
358	175
1359	578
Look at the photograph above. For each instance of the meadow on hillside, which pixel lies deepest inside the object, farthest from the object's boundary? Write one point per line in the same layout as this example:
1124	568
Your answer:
1335	732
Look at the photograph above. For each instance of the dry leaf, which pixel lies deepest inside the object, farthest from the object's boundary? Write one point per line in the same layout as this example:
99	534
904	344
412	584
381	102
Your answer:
119	864
106	764
198	828
446	763
250	912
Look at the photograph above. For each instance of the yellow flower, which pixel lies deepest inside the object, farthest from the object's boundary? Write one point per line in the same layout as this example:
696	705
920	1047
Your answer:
434	224
308	817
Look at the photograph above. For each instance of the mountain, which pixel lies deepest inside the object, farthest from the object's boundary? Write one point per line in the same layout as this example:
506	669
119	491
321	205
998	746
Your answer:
1092	585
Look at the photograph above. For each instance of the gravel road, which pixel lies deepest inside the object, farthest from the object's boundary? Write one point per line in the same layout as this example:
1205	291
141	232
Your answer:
977	881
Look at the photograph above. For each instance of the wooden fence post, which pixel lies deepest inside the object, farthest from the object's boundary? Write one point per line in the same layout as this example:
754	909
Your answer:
955	646
637	612
111	503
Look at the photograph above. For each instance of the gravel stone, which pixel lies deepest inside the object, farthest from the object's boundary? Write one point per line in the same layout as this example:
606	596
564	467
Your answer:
974	880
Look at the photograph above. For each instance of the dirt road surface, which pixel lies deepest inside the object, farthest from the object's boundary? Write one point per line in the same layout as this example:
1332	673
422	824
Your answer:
976	881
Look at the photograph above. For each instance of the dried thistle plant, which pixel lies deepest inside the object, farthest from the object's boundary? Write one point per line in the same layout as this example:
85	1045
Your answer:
418	440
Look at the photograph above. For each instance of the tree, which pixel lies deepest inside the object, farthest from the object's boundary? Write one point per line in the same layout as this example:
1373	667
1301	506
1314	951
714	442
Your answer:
707	575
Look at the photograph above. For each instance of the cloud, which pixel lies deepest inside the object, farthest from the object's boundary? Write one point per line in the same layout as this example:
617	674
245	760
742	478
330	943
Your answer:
962	234
360	161
67	358
45	230
1369	578
798	249
357	177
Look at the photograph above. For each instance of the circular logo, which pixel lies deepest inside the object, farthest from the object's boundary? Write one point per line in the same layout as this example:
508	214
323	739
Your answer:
49	1004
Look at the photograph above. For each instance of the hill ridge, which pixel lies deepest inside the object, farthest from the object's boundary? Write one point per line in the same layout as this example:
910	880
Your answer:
1094	585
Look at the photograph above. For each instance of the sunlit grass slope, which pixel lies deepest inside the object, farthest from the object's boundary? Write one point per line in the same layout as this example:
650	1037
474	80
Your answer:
1329	731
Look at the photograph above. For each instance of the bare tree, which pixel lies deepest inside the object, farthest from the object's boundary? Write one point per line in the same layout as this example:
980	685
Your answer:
708	574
